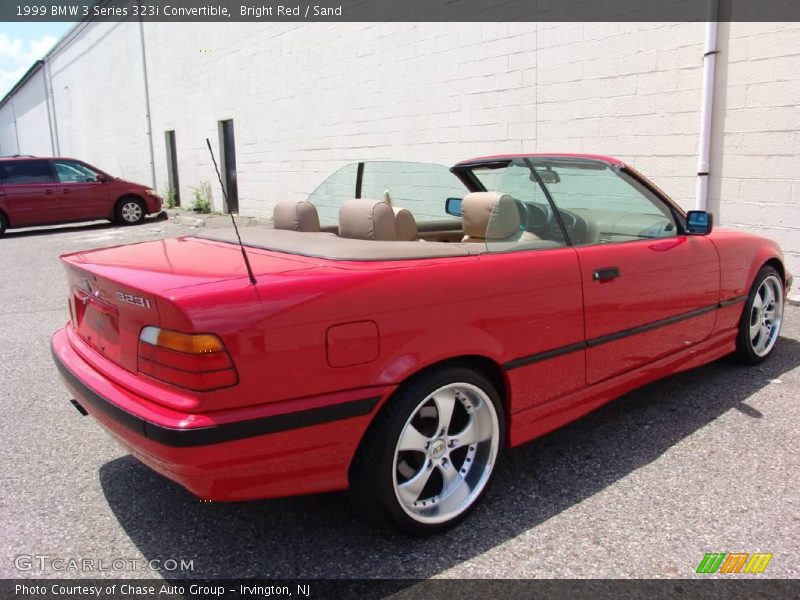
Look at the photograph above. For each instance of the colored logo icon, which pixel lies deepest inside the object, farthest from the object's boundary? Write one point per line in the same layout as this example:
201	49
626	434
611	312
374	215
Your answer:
734	562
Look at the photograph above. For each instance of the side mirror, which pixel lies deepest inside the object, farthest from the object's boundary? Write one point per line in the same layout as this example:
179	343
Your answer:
452	206
699	222
101	178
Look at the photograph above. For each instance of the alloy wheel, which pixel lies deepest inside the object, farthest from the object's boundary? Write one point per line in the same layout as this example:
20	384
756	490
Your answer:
445	453
766	315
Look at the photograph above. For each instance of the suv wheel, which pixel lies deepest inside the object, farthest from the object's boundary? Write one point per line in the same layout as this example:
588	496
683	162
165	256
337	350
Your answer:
129	211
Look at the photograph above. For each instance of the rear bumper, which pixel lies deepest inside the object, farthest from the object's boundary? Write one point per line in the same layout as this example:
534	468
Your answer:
272	454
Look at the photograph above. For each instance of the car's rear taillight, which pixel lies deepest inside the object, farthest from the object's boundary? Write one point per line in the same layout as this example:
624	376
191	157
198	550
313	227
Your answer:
198	362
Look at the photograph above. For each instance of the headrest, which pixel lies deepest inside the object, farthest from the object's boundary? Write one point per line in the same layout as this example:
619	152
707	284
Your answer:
405	224
362	219
490	215
295	216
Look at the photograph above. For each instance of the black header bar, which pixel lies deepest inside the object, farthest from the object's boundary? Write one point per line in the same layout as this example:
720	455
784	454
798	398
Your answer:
266	11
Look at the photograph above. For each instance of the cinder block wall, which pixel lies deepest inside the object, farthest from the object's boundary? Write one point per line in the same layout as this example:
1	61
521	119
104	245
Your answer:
8	134
309	98
756	147
29	111
99	99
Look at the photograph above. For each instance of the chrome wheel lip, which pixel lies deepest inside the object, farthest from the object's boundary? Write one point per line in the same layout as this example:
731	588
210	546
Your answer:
766	316
462	493
131	212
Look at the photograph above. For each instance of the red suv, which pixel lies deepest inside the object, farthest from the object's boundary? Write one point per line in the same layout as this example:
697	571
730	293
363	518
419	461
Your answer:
45	191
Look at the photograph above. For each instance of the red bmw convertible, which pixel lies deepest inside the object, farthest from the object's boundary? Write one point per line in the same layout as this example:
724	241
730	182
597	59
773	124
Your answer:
396	331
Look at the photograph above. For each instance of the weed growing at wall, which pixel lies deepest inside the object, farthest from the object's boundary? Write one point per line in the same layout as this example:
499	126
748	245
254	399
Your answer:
202	198
170	197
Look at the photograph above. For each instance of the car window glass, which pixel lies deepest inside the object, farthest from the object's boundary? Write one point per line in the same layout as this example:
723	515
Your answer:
70	172
332	192
20	172
421	188
599	204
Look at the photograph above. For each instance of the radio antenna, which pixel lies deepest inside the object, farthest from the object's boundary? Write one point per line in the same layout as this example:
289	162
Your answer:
235	228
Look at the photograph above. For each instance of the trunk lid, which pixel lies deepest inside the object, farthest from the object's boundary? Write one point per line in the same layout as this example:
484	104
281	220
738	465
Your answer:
115	292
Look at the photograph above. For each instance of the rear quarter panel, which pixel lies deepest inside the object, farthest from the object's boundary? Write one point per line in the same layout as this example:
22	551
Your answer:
500	306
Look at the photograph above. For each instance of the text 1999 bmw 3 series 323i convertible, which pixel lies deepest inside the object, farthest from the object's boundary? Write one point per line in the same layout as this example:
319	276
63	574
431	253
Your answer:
396	345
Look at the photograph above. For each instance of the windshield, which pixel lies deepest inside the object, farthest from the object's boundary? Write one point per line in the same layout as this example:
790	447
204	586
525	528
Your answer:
596	202
422	188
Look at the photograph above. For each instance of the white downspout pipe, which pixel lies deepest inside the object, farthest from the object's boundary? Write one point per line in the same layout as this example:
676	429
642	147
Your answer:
16	128
706	109
147	103
49	112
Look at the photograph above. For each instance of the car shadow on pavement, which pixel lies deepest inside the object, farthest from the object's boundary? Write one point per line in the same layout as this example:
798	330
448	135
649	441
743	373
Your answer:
87	227
321	536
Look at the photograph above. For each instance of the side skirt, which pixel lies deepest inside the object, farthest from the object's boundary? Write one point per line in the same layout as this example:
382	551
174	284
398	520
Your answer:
544	418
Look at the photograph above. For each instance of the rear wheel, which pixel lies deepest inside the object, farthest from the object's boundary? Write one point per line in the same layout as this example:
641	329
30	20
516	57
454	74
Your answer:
429	457
761	320
3	224
129	211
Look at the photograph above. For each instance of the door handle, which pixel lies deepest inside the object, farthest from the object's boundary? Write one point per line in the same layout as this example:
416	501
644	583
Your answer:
66	191
48	192
605	274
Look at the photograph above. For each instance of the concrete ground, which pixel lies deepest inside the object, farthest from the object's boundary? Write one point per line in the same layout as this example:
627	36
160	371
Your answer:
701	462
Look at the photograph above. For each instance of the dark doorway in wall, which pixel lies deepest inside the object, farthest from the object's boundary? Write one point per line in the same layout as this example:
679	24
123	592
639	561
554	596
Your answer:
172	166
228	152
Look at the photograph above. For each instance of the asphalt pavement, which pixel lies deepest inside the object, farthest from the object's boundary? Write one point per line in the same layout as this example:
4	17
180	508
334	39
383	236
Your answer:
705	461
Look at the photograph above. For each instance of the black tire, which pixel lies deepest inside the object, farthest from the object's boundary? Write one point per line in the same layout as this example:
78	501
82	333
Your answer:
375	477
3	224
748	348
129	210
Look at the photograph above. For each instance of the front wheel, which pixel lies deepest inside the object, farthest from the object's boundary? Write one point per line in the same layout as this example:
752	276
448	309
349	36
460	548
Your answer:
428	458
761	320
129	211
3	224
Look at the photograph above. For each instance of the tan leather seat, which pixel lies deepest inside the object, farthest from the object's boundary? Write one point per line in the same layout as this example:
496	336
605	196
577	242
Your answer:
362	219
295	216
405	224
492	217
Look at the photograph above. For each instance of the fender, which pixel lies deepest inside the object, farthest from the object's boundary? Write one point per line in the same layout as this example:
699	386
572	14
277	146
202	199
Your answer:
435	346
741	257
